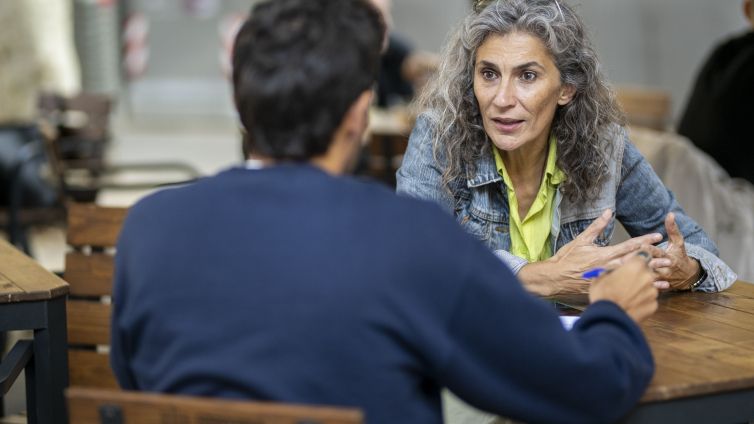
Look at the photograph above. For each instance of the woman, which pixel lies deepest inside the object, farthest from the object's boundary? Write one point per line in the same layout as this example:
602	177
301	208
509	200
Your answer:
521	139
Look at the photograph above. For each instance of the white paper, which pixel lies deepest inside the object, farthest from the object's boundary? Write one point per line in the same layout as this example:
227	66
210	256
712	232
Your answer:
568	321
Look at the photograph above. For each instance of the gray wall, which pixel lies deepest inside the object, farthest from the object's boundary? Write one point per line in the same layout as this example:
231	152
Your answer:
660	43
656	43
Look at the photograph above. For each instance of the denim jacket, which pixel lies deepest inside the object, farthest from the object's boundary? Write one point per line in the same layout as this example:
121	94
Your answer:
639	199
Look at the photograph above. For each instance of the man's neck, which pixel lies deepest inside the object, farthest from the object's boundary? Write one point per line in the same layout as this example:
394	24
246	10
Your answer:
323	162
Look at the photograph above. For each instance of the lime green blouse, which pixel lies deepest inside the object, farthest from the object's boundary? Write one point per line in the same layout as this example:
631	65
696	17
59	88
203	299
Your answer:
530	236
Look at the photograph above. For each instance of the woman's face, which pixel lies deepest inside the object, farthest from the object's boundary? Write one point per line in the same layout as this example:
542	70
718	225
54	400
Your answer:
517	87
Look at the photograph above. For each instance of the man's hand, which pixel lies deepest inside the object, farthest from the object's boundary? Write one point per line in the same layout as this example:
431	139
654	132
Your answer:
630	286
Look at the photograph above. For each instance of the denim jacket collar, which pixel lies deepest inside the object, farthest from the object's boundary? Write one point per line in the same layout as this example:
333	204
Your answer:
569	210
486	172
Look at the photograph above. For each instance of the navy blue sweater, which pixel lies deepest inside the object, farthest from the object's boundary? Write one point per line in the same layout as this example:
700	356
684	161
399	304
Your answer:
289	284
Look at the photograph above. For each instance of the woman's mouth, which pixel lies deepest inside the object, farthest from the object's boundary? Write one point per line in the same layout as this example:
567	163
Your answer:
507	125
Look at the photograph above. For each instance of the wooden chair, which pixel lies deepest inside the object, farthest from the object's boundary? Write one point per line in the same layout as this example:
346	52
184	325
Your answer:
92	234
645	107
92	406
79	141
29	197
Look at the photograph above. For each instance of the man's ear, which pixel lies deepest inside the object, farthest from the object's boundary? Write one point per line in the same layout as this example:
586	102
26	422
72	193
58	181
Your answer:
357	117
567	92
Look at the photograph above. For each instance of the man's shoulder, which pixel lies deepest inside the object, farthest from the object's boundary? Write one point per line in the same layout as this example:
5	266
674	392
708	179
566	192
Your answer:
729	50
359	194
378	198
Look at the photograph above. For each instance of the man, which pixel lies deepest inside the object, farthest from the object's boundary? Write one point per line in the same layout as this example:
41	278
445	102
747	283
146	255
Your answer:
719	112
286	280
36	55
403	69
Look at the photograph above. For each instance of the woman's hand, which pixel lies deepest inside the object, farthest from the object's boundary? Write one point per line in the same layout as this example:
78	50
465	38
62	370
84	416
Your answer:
677	268
562	272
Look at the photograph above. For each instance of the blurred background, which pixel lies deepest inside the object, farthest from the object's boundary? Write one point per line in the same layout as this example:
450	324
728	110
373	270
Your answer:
164	63
653	43
111	98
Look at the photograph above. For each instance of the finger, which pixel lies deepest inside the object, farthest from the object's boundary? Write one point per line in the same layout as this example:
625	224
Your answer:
658	263
664	273
634	244
662	285
615	263
636	265
674	234
596	227
654	251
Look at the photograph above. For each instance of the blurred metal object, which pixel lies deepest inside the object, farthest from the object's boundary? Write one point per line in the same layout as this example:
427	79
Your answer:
97	28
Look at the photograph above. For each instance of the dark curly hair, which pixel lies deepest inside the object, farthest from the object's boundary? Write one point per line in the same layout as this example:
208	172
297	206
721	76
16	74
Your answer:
298	65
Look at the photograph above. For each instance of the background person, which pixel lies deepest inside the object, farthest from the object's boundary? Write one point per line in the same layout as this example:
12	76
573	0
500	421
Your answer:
403	69
521	141
286	280
37	55
719	111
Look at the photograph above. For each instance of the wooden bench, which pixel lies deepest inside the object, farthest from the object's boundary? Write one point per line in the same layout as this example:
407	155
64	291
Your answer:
93	406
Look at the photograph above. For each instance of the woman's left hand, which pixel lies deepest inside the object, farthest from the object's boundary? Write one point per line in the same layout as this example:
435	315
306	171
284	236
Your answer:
676	267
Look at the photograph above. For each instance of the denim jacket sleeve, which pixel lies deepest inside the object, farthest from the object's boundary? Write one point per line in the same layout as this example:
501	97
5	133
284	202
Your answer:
420	175
643	201
514	262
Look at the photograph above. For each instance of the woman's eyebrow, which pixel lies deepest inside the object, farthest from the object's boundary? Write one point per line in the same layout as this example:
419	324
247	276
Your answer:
491	65
532	64
486	64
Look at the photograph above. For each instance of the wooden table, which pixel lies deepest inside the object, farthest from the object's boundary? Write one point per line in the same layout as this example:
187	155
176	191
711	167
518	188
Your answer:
31	298
703	346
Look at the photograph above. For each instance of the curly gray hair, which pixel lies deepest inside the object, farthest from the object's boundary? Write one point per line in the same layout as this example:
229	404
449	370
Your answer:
579	126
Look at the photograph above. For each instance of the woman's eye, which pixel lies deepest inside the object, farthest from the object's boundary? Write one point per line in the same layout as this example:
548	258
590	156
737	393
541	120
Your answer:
487	74
528	76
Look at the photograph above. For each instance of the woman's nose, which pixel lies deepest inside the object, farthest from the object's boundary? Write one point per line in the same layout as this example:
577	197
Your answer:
504	96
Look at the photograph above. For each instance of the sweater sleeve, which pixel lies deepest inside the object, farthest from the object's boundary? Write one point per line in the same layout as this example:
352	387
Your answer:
509	354
639	181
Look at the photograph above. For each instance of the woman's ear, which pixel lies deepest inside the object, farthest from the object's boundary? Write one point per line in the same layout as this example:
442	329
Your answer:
566	94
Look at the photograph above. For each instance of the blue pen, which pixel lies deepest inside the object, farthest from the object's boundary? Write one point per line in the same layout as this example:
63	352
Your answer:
593	273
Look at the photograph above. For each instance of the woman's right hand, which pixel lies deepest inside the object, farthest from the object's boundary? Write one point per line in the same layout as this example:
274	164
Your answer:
562	273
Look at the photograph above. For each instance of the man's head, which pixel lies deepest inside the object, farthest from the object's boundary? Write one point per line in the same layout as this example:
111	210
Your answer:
385	7
749	11
298	68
